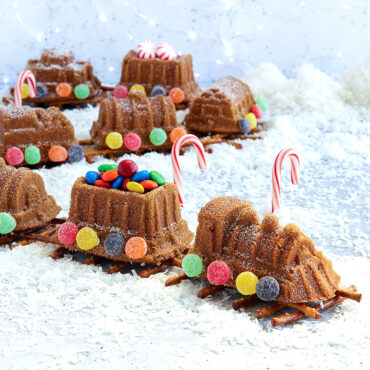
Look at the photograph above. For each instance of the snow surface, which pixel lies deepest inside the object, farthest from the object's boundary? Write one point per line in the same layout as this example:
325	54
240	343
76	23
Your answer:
61	314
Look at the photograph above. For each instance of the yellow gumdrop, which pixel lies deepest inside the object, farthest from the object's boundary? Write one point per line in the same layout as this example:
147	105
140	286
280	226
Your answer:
246	283
137	87
25	93
87	238
114	140
252	119
135	186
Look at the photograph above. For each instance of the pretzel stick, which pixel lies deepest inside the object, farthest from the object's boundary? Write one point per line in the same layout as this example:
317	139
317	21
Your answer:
116	267
208	290
306	310
152	270
173	280
91	260
349	294
244	302
176	262
85	142
57	253
268	311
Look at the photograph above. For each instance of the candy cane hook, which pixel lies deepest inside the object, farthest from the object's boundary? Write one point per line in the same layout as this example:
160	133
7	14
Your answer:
19	84
276	172
175	152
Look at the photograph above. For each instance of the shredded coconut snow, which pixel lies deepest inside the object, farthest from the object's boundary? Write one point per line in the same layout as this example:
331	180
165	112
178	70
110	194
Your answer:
61	314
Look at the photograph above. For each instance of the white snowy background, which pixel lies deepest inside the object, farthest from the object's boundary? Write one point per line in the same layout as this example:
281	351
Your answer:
64	315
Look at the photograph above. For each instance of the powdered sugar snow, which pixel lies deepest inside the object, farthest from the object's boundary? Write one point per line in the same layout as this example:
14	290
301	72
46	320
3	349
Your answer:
61	314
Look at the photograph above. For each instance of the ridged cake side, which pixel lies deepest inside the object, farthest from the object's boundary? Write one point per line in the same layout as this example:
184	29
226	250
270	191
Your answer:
154	216
23	195
229	230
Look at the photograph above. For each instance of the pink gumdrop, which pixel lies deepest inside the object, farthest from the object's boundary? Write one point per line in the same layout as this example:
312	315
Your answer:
120	92
14	156
67	233
257	111
218	273
124	184
132	141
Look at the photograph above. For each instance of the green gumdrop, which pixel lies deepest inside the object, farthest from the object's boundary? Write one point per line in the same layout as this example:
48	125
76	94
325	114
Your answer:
82	91
192	265
157	177
157	136
107	167
263	104
32	155
7	223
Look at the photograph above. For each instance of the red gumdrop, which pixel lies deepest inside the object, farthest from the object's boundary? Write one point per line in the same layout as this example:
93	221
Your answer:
110	175
132	141
14	156
218	273
67	233
102	184
257	111
124	184
120	92
127	168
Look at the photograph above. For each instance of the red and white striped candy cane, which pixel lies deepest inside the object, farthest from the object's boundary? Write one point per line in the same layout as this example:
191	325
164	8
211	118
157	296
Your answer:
175	152
18	87
276	172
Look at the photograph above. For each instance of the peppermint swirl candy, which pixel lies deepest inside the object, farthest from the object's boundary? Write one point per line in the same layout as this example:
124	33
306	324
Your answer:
146	50
165	51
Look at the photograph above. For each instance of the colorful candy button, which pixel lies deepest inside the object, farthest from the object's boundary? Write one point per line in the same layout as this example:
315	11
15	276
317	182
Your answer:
114	140
76	153
263	104
110	175
125	182
218	273
102	184
67	233
135	187
141	176
246	283
81	91
252	119
107	167
24	92
120	92
7	223
245	125
41	91
157	177
58	153
117	183
176	133
91	177
113	245
257	111
158	90
149	184
132	141
192	265
63	89
14	156
32	155
87	238
157	136
177	95
136	248
137	87
127	168
267	288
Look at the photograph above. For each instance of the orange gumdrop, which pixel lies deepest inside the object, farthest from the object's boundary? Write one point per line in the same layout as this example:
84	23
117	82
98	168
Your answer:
136	248
63	90
177	95
58	153
176	133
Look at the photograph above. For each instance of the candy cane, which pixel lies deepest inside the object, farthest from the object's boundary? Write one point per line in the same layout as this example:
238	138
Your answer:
276	172
175	152
18	87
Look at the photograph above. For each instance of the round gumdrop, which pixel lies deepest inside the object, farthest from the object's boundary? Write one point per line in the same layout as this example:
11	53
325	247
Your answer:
136	248
14	156
192	265
245	125
127	168
113	245
132	141
114	140
67	233
41	91
267	288
120	92
7	223
137	87
91	177
252	119
157	177
32	155
246	283
157	136
58	153
176	133
218	273
110	175
177	95
25	93
257	111
63	90
76	153
81	91
263	104
158	90
87	238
